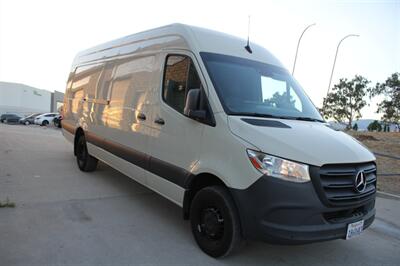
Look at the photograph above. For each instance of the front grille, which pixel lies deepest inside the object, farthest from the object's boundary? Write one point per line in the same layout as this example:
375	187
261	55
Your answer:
335	183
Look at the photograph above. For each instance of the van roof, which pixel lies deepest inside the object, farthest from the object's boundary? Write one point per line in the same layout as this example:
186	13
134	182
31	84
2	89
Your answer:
176	36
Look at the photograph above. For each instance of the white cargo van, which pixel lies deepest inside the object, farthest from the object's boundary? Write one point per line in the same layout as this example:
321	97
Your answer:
224	132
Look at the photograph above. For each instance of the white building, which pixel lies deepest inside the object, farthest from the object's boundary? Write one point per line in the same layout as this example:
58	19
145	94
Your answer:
23	99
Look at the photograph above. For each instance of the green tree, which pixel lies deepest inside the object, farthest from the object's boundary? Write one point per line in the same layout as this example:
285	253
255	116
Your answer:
375	126
386	127
346	100
390	105
355	127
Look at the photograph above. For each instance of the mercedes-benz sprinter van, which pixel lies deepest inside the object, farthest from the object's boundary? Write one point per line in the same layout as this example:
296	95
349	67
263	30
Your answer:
223	131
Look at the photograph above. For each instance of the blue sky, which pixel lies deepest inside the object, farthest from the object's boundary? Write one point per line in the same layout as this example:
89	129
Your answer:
38	39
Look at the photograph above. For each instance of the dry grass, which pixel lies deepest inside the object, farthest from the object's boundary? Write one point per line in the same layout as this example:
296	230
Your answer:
388	168
381	142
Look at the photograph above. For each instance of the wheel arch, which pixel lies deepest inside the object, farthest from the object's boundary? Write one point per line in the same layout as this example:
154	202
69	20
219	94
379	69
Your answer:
196	183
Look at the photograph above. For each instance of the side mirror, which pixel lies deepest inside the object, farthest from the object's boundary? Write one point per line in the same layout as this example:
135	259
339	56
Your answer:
192	105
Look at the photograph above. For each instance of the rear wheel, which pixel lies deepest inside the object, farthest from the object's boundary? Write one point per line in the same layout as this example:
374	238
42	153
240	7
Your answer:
86	162
215	222
27	123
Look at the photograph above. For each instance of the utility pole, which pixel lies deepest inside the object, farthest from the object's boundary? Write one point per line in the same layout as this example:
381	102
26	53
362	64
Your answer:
334	61
298	44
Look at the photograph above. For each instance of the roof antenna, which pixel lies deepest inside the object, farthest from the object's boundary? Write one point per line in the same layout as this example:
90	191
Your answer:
247	47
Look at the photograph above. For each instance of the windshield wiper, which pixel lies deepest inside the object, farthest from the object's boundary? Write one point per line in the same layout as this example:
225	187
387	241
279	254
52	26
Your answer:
309	119
279	117
260	115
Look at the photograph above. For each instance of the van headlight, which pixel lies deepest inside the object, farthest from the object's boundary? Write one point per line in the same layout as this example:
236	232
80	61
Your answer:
278	167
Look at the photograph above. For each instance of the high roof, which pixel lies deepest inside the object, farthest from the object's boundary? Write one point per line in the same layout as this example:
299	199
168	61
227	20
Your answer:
177	36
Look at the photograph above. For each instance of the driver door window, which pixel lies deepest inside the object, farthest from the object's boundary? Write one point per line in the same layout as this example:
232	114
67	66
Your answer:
180	76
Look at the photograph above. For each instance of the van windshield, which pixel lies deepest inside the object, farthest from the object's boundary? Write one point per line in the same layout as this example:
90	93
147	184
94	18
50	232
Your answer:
252	88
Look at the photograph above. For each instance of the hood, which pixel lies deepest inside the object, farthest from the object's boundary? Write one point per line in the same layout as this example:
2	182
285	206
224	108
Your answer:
312	143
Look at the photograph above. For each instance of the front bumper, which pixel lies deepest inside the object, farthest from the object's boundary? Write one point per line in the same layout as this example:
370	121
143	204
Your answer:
282	212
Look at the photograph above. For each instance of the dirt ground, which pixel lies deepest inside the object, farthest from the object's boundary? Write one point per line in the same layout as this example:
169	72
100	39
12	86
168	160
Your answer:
384	143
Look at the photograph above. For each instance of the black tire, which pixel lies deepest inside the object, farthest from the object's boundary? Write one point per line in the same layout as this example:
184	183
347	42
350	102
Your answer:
86	162
26	123
45	123
215	222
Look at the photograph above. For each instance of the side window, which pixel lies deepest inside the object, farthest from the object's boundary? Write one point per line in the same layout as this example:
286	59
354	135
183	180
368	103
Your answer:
180	76
90	89
104	82
86	78
132	79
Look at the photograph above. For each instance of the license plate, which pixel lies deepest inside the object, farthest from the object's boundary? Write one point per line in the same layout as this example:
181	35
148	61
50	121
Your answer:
354	229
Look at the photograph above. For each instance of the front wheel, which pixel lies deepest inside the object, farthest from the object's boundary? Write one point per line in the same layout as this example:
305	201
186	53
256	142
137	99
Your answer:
45	123
86	162
27	123
215	222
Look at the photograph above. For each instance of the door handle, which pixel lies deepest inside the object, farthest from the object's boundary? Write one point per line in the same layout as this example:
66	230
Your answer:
159	121
141	116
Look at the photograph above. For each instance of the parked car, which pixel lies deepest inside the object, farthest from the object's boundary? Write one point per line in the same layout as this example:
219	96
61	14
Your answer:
10	118
57	121
3	117
45	119
224	131
30	119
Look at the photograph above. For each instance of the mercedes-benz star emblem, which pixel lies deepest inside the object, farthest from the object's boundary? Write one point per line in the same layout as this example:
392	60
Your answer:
360	183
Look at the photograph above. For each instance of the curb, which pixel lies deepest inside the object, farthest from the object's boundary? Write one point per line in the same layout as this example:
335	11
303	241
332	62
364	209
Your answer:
387	156
388	195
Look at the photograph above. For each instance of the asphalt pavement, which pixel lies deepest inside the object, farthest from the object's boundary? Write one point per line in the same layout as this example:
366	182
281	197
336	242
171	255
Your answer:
66	217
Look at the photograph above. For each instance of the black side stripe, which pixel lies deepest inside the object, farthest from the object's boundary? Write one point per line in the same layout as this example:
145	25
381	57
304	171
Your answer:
133	156
168	171
172	173
68	127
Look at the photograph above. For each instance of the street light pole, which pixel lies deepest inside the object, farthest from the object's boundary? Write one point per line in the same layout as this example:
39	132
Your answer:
334	61
298	44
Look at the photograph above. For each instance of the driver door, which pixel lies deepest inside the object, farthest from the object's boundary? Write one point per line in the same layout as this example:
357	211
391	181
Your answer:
175	139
